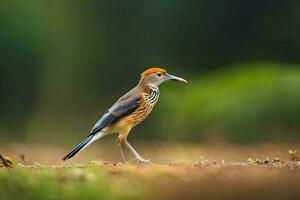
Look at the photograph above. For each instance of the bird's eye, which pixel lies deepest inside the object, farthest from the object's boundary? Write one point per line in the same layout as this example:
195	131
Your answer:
159	74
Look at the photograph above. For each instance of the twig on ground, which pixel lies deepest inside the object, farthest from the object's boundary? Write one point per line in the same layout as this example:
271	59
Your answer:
7	162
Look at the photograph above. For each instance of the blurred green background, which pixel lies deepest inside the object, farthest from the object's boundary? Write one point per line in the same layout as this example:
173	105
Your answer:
63	63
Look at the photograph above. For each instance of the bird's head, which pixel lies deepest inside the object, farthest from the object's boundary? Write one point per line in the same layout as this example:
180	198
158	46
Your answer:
156	76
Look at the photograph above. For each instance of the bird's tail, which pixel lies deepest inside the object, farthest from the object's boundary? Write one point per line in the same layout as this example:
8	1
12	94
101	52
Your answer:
86	142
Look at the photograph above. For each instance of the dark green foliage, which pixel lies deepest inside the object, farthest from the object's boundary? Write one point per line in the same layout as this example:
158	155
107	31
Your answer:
247	103
63	63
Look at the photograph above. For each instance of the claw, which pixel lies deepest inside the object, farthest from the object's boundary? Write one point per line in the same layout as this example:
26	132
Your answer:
143	161
136	155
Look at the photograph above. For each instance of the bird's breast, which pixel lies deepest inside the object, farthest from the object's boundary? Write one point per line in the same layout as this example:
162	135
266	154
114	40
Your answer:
149	100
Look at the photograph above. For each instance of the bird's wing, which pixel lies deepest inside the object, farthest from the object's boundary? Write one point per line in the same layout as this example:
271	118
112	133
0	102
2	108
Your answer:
121	108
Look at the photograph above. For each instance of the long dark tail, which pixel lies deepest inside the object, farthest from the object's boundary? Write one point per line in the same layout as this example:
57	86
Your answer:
82	145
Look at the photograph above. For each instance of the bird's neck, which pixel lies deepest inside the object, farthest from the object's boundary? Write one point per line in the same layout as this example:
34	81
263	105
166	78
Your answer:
148	88
151	97
152	87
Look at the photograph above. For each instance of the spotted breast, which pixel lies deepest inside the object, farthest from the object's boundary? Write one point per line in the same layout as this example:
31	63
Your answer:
150	99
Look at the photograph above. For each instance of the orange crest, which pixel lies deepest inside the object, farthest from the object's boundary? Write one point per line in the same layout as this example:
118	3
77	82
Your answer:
153	70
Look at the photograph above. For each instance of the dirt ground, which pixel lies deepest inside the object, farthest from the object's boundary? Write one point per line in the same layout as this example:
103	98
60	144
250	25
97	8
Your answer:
178	172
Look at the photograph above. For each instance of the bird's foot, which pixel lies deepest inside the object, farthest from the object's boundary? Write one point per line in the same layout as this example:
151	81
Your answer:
145	162
141	161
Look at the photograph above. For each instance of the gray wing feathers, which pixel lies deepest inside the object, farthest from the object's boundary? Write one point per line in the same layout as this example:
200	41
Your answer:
121	108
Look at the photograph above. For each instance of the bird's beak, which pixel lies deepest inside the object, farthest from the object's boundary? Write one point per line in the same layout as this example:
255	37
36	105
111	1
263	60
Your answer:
175	78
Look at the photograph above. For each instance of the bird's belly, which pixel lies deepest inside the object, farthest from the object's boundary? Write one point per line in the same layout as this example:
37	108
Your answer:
140	114
128	122
133	119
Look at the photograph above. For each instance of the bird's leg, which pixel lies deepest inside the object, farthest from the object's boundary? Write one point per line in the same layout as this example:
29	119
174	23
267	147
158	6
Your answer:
120	142
137	155
122	153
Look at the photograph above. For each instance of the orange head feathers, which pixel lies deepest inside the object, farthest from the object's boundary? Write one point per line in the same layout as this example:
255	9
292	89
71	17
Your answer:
153	70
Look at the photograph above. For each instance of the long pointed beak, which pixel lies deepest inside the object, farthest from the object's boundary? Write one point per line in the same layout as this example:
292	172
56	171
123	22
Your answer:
175	78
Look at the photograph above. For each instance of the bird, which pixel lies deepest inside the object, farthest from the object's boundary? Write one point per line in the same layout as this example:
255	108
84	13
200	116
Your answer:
128	111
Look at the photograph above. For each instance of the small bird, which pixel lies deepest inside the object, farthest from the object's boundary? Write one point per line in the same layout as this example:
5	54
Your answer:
131	109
